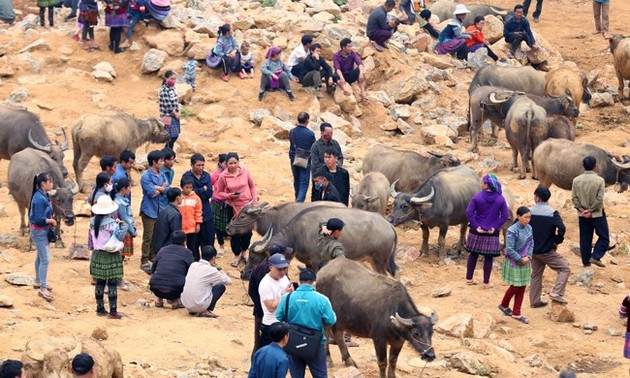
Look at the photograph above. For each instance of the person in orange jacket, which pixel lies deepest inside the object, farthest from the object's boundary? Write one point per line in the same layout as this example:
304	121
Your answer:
190	208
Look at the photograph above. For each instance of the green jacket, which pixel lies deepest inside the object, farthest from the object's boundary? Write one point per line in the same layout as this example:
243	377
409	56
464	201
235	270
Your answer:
329	248
588	193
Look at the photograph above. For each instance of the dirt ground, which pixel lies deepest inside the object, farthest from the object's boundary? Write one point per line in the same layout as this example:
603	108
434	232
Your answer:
169	340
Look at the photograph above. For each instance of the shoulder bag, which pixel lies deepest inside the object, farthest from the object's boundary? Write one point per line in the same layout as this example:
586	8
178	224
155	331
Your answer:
301	155
304	342
113	245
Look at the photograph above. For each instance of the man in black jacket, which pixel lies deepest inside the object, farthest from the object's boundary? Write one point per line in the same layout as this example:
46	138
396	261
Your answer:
340	178
323	188
169	269
548	230
301	139
169	220
314	68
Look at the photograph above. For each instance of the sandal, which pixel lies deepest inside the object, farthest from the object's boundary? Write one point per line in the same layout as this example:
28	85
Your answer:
159	304
177	306
39	286
505	310
235	262
471	282
47	297
487	286
521	319
207	315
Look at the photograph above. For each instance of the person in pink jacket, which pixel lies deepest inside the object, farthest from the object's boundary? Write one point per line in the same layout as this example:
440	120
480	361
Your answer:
237	188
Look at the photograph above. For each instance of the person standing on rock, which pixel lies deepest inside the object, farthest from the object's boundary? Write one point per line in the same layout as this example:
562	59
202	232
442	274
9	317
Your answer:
517	267
379	27
41	220
486	213
324	142
344	62
587	194
537	12
116	19
169	107
452	39
601	9
301	140
50	4
548	230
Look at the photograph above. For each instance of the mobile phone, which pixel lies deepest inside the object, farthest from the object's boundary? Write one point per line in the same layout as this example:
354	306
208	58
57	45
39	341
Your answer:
236	193
295	285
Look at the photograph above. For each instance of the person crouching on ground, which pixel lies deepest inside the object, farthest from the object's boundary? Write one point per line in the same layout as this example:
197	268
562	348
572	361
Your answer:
452	40
275	74
168	271
379	27
205	284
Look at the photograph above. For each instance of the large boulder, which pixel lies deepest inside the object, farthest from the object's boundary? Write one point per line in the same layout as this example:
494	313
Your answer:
347	103
471	363
153	60
169	41
493	30
460	325
406	88
280	129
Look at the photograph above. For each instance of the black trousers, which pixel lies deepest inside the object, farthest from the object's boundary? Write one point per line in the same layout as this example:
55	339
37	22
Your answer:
206	235
587	227
114	38
88	30
51	15
217	293
539	4
257	336
192	243
516	39
265	338
240	243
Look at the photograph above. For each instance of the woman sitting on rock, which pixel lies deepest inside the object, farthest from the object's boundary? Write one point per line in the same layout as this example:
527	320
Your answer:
275	74
452	40
478	39
226	54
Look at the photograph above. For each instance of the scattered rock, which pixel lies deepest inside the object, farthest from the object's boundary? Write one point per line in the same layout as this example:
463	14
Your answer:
431	134
614	332
169	41
347	103
102	76
79	252
6	301
256	116
105	66
349	372
184	92
487	349
405	89
400	111
470	363
20	279
404	127
583	277
211	113
493	30
279	129
533	360
601	100
382	97
153	60
8	241
38	45
443	291
18	95
460	325
561	313
100	333
438	61
589	326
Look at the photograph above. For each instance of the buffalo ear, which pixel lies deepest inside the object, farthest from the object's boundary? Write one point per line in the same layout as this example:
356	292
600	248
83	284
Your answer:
372	199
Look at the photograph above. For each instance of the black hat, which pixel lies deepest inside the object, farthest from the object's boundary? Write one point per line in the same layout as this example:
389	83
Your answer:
307	275
278	247
543	193
82	363
334	224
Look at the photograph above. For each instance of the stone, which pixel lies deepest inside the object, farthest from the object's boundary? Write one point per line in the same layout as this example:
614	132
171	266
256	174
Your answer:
405	89
153	60
338	123
561	313
211	113
583	277
348	372
38	45
404	127
8	241
421	42
6	301
443	291
100	333
380	96
347	103
102	76
470	363
407	252
400	111
589	326
200	50
460	325
79	252
430	133
192	373
614	332
256	115
6	70
20	279
438	61
169	41
493	30
533	360
35	63
184	92
18	95
483	324
134	46
318	6
488	349
105	66
279	129
599	100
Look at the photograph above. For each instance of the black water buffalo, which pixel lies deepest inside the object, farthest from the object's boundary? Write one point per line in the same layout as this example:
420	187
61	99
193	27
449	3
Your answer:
366	236
524	79
525	129
440	201
408	167
100	135
560	127
24	166
443	9
559	161
20	129
376	307
372	193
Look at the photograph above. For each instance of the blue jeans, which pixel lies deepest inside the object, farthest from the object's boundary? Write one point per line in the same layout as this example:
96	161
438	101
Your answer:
40	237
317	365
133	21
301	178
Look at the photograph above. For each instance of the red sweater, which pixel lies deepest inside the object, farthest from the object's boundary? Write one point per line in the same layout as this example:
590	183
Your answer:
476	38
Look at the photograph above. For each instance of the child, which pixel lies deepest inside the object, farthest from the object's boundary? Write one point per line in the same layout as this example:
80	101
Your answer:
623	313
190	208
517	266
247	61
190	76
125	214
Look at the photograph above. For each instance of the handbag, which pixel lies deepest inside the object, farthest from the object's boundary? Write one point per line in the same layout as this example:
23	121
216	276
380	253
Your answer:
113	245
166	120
302	156
52	234
303	342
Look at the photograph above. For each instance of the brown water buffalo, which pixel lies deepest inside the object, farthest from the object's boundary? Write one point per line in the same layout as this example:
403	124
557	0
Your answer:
620	48
408	167
559	161
100	135
24	166
20	129
525	129
565	81
523	79
374	306
443	10
560	127
372	193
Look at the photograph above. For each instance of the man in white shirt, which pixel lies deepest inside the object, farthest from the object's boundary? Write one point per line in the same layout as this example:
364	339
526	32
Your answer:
205	284
272	287
298	54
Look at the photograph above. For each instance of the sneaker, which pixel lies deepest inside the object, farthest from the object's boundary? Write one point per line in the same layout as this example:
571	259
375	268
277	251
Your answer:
220	250
539	304
146	267
101	313
599	263
557	298
115	315
536	19
242	75
290	95
261	95
377	46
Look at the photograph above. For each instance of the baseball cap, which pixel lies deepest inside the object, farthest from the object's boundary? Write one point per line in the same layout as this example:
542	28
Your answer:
279	248
82	363
279	261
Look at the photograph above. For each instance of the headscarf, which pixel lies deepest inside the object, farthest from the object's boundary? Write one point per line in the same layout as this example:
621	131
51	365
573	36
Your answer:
493	183
273	50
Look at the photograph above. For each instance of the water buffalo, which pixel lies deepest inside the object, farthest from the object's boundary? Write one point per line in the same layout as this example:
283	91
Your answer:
100	135
372	193
525	129
443	10
366	236
493	103
355	293
24	166
563	81
559	161
408	167
620	48
440	201
523	79
20	129
560	127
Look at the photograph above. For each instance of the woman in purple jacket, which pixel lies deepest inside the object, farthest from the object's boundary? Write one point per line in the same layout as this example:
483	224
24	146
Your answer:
486	213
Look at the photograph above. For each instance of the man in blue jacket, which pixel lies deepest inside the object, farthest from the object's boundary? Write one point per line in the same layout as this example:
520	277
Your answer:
271	361
310	309
302	138
517	30
154	188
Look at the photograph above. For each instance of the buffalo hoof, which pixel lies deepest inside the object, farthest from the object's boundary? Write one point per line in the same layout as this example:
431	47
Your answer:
521	177
59	244
350	362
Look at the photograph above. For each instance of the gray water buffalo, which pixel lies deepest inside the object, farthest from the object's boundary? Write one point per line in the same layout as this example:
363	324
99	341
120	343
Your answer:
559	161
443	9
366	236
523	79
440	201
563	81
372	193
525	129
620	48
374	306
560	127
20	129
100	135
493	103
408	167
24	166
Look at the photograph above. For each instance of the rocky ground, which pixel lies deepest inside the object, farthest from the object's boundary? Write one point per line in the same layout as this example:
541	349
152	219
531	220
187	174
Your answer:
417	101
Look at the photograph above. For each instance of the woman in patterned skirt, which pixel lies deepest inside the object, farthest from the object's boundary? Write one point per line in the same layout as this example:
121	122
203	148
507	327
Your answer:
116	19
486	213
50	4
517	266
623	313
222	211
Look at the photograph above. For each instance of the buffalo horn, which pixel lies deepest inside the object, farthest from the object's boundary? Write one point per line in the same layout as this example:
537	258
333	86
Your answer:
64	145
367	198
252	210
494	100
73	186
622	165
429	313
403	321
499	12
437	155
353	191
392	189
262	244
421	200
37	145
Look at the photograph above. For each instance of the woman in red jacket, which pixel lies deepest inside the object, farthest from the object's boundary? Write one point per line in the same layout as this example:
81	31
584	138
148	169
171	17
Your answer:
478	39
